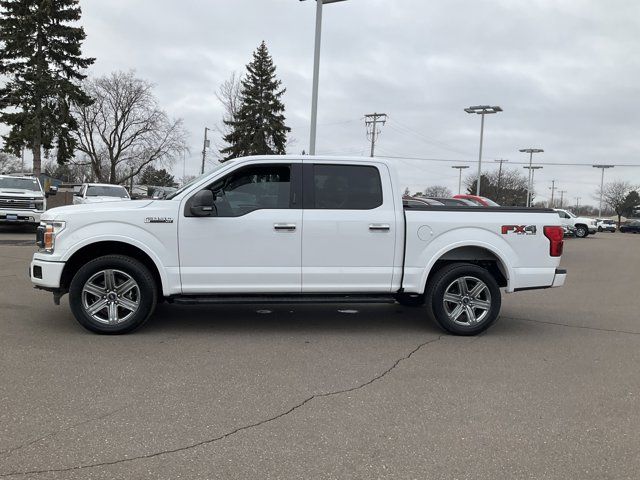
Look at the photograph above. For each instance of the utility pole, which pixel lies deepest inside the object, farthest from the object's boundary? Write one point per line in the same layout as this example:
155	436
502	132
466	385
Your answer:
204	148
530	151
577	204
553	189
22	161
501	161
562	192
372	120
460	168
603	168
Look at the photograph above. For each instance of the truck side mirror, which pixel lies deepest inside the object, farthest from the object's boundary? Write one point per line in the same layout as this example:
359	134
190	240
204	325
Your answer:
202	204
77	194
53	190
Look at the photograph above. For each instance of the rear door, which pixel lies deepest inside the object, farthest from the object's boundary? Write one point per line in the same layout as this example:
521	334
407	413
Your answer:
349	228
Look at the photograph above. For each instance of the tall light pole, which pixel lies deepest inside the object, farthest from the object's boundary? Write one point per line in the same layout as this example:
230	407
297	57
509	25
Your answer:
316	73
204	148
481	110
460	167
532	171
603	167
530	151
577	204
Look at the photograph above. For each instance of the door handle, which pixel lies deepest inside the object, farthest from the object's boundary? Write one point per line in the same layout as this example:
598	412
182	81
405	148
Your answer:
379	227
288	227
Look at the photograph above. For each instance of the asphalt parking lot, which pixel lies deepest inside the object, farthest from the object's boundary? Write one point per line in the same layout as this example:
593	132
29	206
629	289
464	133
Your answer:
552	391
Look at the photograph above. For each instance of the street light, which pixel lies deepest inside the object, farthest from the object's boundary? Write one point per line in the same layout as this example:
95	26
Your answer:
460	167
530	151
481	110
532	171
603	167
316	73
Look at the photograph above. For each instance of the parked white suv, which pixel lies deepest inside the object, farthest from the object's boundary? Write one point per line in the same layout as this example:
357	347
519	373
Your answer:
22	199
584	226
100	192
606	225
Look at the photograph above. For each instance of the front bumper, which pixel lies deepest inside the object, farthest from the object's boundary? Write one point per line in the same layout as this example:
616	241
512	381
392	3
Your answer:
46	274
20	216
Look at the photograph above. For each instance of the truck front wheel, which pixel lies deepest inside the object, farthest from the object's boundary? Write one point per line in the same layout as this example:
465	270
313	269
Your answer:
464	298
113	294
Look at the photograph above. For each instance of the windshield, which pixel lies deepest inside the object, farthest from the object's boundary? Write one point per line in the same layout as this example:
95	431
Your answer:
106	191
194	181
20	183
571	215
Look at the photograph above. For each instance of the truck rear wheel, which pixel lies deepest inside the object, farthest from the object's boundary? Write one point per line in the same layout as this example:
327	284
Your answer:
464	298
113	294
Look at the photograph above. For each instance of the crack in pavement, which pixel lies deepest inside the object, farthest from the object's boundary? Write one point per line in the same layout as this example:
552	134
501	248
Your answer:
237	430
583	327
70	427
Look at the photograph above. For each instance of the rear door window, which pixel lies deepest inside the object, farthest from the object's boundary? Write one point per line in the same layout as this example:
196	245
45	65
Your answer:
346	187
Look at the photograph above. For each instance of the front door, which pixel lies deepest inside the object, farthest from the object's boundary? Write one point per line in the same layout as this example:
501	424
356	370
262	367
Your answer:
252	244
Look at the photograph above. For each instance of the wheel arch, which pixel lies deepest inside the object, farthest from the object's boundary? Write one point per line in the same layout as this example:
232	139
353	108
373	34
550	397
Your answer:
481	255
109	247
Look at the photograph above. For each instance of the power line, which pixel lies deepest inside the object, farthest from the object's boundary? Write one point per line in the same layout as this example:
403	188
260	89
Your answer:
452	160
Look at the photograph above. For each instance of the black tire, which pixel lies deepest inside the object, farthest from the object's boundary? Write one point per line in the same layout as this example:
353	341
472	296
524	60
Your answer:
600	229
581	231
444	280
410	300
143	295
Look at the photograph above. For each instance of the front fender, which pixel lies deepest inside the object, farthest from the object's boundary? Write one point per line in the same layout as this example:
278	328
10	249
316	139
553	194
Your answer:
161	249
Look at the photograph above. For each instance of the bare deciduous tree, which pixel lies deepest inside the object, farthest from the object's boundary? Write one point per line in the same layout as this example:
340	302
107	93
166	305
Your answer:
228	94
615	194
9	163
437	191
124	129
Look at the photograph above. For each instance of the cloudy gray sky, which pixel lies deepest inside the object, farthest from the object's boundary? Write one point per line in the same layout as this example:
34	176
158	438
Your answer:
566	73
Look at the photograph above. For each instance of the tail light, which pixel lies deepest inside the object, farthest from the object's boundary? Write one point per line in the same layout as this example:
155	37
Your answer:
556	242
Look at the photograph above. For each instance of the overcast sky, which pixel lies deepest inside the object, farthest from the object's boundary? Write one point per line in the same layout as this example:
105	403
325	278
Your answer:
566	73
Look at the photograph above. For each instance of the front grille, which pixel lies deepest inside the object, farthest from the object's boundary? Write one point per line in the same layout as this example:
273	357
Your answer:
16	203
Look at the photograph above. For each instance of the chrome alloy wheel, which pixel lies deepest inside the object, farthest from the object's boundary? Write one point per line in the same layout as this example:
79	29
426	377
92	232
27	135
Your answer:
111	297
467	301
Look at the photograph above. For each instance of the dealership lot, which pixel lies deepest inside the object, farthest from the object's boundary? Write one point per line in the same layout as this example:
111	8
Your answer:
551	391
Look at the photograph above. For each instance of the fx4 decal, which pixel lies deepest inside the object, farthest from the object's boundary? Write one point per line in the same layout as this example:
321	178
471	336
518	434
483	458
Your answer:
519	229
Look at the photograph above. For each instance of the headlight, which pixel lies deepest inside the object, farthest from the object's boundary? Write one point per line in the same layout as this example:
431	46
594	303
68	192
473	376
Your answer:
47	233
39	204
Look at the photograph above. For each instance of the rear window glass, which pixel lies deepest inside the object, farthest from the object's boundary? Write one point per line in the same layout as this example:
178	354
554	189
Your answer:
347	187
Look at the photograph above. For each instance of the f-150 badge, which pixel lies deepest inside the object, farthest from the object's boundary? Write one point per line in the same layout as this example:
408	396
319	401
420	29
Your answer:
519	229
158	220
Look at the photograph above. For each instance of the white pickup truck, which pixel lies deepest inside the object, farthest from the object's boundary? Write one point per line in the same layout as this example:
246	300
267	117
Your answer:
282	229
22	199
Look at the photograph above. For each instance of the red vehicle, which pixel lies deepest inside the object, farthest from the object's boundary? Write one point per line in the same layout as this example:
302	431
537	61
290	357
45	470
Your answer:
480	201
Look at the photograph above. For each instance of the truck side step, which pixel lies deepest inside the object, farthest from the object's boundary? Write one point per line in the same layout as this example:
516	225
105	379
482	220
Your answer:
278	299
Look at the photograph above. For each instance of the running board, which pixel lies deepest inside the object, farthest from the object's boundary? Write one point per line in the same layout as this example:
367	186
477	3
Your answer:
278	299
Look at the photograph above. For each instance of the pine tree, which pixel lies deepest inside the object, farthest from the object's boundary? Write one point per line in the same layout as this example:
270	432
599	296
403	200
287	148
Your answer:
41	58
259	126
